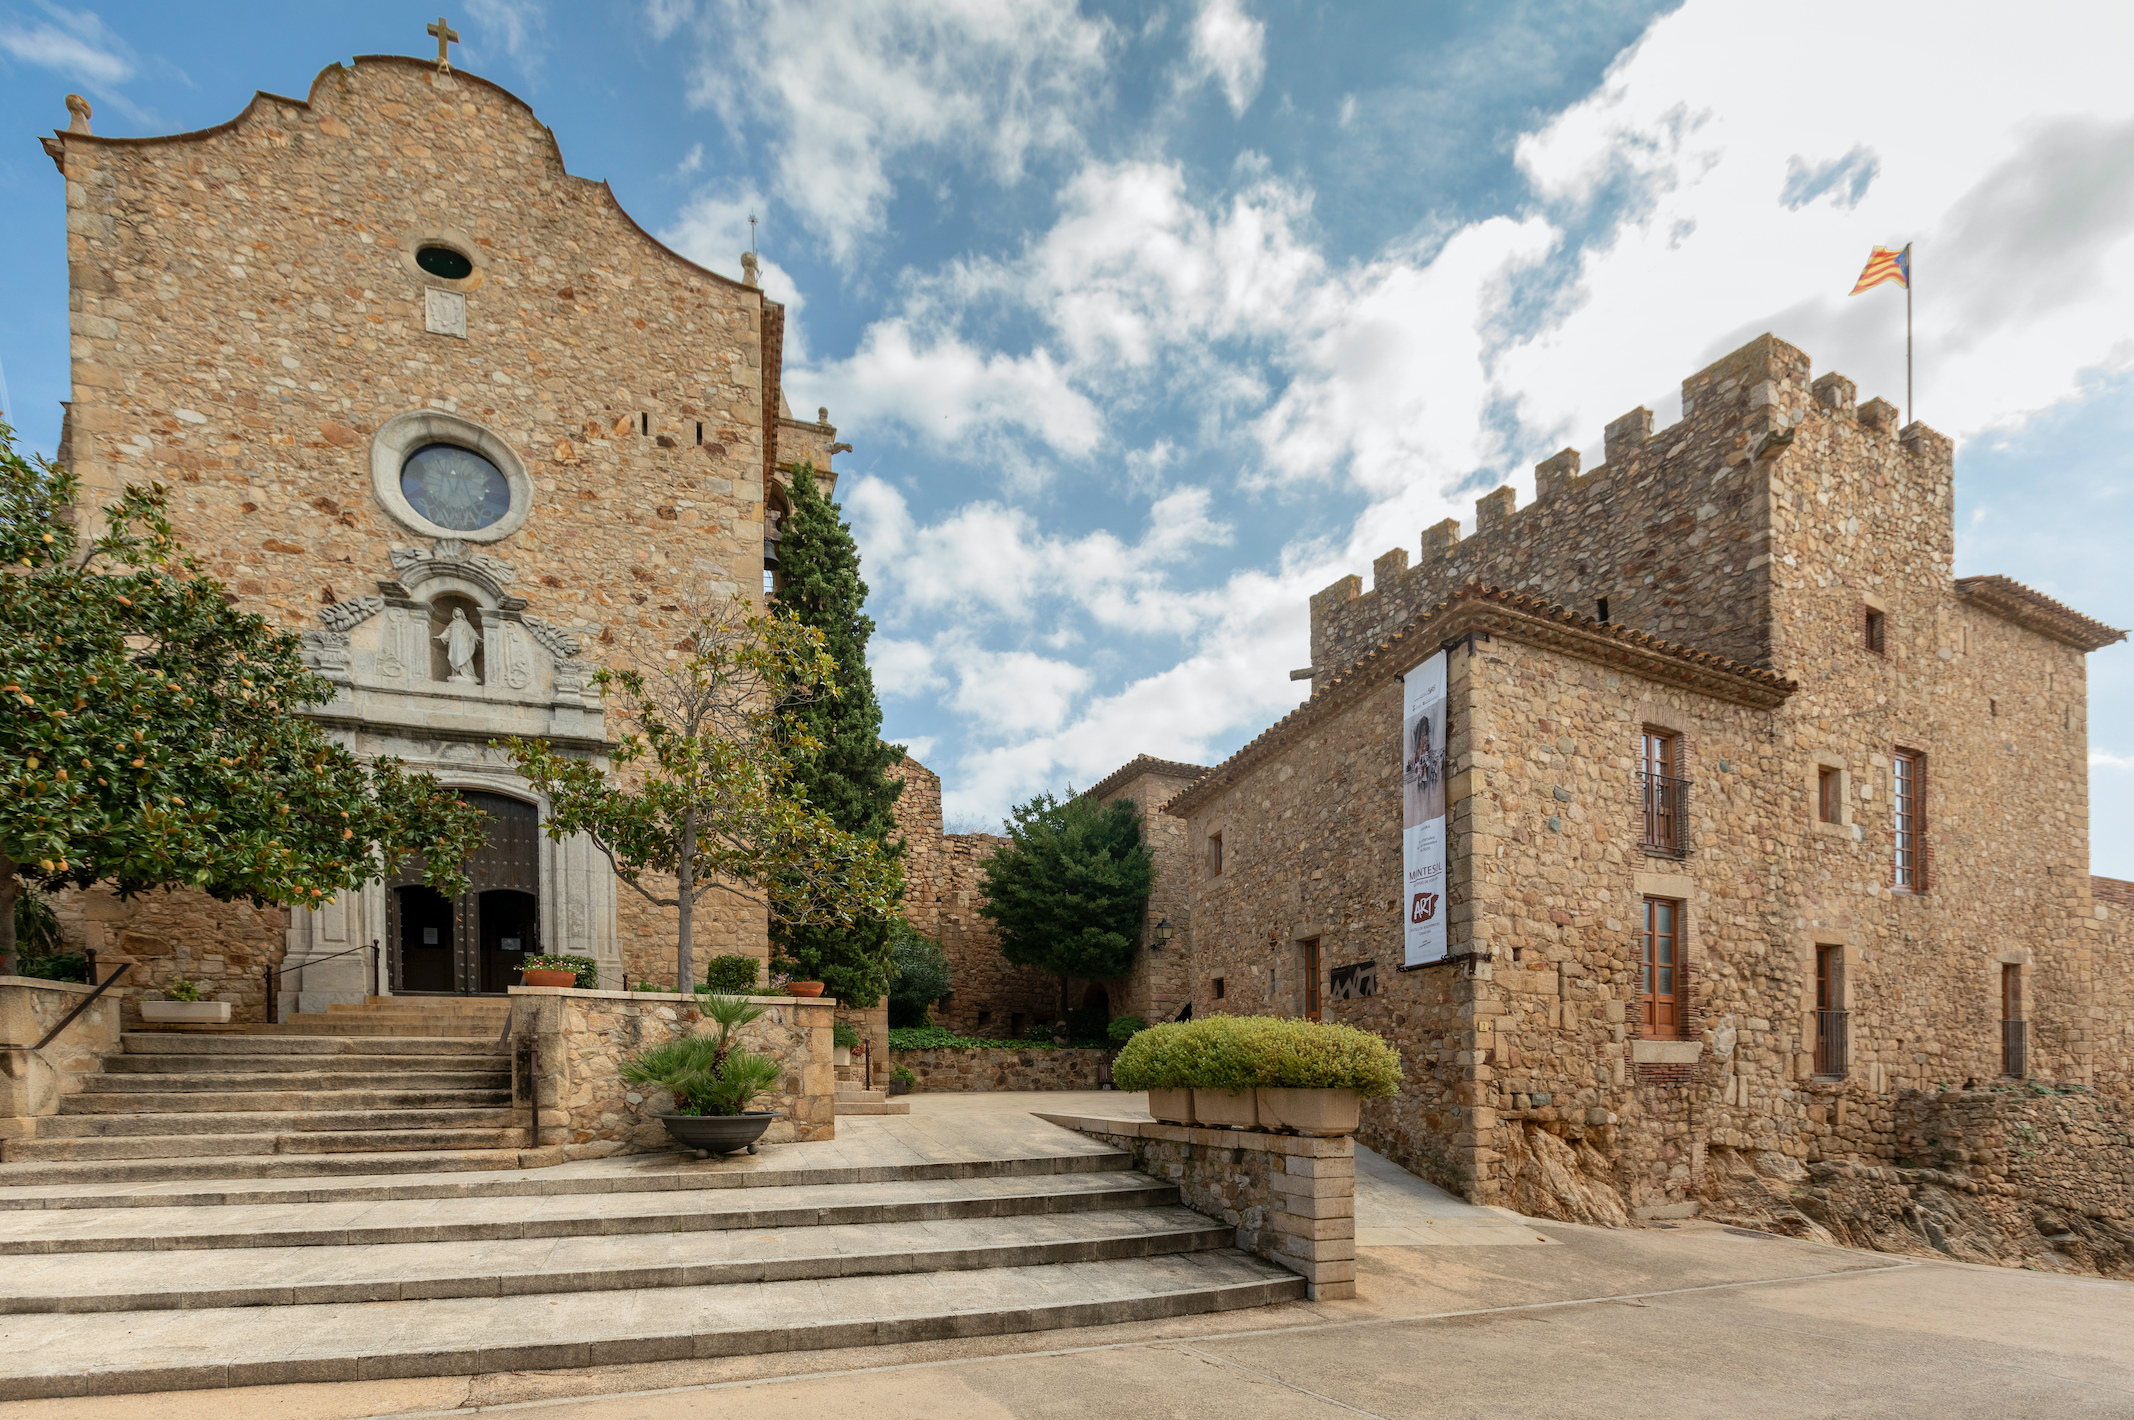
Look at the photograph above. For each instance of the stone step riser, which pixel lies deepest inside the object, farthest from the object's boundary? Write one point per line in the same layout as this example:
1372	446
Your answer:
171	1147
523	1185
305	1066
364	1029
1147	1195
256	1167
152	1043
144	1123
280	1102
1168	1243
445	1360
301	1082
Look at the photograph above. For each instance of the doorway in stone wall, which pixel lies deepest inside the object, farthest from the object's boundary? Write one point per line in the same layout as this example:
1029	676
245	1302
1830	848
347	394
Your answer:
471	944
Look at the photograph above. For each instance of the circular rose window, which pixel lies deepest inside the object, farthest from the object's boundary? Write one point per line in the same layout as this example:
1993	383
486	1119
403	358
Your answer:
455	488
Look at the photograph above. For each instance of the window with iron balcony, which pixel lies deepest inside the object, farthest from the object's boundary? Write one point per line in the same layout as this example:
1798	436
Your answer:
1665	794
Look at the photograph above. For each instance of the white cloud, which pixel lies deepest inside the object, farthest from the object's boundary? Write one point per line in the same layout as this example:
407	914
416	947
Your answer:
78	45
857	96
712	230
518	27
1230	47
2105	759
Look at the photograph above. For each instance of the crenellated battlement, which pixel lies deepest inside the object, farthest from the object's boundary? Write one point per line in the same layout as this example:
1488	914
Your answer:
1673	529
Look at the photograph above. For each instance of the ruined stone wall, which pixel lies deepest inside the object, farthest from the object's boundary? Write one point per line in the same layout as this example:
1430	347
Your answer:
1672	529
2110	994
942	897
1160	983
246	313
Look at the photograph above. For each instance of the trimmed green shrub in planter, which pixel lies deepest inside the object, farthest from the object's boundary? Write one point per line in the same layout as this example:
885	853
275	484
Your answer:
1258	1052
844	1035
731	975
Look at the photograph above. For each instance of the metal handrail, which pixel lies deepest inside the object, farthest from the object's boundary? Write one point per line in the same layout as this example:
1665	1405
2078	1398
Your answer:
84	1004
274	1006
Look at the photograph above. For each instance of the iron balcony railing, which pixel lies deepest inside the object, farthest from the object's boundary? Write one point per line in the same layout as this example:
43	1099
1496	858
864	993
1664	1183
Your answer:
2015	1049
1833	1044
1666	813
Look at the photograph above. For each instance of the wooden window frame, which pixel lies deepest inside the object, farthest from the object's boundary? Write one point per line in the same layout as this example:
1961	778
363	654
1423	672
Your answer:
1875	630
1909	856
1314	995
1650	969
1664	823
1829	794
1215	855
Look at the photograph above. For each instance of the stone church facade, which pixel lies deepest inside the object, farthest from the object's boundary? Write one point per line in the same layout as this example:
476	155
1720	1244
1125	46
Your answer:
445	410
1763	825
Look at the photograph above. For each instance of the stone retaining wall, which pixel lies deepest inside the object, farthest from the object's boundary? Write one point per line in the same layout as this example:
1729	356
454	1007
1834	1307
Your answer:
32	1081
585	1036
1291	1199
991	1069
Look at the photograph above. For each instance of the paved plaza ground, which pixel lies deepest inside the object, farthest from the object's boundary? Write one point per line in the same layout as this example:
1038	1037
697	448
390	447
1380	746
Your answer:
1462	1311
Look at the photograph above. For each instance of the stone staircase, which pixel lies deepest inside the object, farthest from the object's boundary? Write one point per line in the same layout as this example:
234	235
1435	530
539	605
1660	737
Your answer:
856	1098
113	1291
378	1095
466	1017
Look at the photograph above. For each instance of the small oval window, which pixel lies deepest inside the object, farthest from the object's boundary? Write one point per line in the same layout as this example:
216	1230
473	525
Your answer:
445	263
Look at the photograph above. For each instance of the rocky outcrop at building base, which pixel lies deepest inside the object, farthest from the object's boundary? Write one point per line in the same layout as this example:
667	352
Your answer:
1549	1177
2021	1176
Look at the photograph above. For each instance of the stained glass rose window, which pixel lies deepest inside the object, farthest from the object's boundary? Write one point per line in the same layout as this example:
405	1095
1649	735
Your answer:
455	488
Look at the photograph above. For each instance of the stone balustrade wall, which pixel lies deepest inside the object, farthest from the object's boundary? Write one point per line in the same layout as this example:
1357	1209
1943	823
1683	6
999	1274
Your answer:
32	1080
584	1037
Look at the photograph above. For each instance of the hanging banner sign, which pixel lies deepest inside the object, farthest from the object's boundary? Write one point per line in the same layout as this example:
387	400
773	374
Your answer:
1422	818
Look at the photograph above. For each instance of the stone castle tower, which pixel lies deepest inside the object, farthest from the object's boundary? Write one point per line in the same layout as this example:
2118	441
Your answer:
445	409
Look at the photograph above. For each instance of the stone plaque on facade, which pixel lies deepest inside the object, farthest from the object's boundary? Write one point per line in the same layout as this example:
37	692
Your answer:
444	312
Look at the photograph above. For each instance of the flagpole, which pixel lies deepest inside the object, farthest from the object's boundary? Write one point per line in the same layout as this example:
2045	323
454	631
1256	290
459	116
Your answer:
1908	273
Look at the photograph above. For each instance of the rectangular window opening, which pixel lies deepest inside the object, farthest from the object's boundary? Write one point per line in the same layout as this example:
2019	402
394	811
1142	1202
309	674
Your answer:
1664	791
2014	1047
1829	795
1908	811
1313	1001
1215	855
1875	631
1833	1044
700	431
644	423
1218	988
1660	970
1601	606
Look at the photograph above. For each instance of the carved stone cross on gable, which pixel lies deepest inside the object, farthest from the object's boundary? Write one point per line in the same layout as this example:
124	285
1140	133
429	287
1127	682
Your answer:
446	35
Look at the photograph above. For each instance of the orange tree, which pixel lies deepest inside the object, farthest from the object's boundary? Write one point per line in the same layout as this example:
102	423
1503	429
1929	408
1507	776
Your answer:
706	796
149	734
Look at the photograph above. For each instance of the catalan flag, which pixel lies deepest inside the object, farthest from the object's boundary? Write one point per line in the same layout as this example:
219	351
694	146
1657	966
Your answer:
1886	264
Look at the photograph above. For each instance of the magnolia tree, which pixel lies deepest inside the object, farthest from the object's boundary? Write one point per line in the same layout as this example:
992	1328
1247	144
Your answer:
149	734
705	797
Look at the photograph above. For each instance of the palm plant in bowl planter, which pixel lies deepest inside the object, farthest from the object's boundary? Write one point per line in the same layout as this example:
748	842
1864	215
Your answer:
712	1081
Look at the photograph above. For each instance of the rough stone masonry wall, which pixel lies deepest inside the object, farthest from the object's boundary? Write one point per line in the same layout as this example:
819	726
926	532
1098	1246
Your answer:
991	996
586	1036
951	1070
33	1081
2111	980
1669	529
1291	1199
1160	982
245	314
224	948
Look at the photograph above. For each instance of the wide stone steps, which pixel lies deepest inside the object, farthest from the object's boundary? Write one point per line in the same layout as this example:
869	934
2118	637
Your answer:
171	1147
110	1291
325	1118
367	1222
104	1173
180	1094
423	1271
860	1101
227	1052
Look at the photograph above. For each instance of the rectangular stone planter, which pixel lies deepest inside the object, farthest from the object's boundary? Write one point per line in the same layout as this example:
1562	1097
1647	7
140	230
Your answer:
1219	1108
1324	1114
1172	1106
191	1013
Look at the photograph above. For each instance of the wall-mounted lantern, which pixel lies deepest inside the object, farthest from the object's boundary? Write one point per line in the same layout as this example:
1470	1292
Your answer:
1161	936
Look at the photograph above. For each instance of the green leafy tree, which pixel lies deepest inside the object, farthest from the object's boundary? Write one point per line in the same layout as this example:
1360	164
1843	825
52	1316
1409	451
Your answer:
923	975
705	797
150	734
819	585
1068	890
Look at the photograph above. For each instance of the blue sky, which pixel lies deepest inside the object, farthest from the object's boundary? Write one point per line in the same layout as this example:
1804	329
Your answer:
1148	321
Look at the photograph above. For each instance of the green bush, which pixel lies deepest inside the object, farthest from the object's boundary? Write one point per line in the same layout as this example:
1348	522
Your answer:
1089	1022
66	966
708	1074
181	991
1246	1052
37	932
942	1038
1125	1028
844	1034
731	975
923	975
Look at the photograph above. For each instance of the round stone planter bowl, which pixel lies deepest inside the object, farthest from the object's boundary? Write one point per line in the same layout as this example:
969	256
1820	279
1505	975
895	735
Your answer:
803	988
717	1133
548	978
1324	1114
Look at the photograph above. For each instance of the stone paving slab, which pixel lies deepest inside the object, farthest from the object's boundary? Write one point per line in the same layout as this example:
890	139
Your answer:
1394	1208
375	1221
128	1352
289	1276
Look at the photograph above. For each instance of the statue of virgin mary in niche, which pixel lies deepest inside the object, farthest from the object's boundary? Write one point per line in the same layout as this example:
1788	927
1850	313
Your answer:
461	641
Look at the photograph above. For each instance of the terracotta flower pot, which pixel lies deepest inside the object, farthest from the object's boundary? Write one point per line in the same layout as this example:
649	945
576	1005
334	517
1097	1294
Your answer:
803	988
1172	1106
1234	1108
548	978
1323	1113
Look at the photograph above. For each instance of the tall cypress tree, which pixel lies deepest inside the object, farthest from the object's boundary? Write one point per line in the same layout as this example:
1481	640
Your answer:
819	583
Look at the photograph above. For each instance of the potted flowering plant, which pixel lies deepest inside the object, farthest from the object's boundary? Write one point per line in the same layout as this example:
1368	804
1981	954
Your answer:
549	971
181	1005
712	1081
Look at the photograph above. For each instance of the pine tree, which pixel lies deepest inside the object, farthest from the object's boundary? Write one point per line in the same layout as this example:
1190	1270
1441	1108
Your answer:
1069	889
820	585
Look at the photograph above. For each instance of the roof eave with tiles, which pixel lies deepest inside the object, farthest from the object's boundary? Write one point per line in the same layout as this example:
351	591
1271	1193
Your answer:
2034	611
